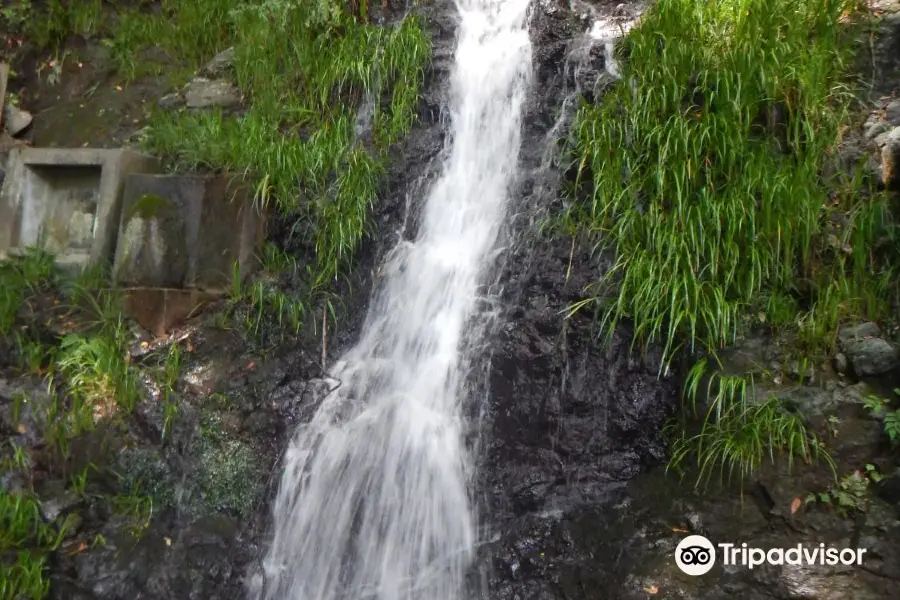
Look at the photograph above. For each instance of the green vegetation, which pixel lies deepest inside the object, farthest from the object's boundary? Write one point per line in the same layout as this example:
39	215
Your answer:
738	432
849	494
304	68
21	278
710	173
878	407
25	541
70	332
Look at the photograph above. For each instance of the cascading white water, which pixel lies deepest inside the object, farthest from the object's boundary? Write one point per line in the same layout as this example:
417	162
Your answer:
374	502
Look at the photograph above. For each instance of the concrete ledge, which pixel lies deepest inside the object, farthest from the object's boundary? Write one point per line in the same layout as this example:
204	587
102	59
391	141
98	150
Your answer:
159	310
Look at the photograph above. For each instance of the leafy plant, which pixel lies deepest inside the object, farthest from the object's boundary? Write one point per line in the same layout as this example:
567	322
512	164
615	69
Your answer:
136	509
98	372
851	493
878	406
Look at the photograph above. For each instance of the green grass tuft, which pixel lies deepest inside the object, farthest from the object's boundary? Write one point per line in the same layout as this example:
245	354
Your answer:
711	175
738	431
704	172
305	73
25	542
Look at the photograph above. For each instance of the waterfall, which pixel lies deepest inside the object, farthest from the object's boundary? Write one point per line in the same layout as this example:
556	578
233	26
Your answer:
374	502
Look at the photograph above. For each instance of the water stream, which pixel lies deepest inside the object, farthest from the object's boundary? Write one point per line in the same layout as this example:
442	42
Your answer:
375	502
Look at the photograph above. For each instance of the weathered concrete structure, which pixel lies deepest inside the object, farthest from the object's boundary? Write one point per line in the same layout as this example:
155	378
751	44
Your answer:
159	310
67	201
186	231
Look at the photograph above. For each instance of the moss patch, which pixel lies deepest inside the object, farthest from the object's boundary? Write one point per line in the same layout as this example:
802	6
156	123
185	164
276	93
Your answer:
149	206
230	476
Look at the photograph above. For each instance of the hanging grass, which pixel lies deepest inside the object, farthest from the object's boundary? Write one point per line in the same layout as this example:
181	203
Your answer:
703	173
307	67
708	174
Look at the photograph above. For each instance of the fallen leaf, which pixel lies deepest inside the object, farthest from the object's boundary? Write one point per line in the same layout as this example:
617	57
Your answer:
21	428
145	344
251	365
795	505
80	547
189	346
651	589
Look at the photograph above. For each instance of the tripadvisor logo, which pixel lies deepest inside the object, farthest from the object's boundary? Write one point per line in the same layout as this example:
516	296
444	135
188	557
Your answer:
696	555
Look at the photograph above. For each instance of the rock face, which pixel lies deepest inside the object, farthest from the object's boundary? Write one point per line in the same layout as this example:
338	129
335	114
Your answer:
869	354
572	481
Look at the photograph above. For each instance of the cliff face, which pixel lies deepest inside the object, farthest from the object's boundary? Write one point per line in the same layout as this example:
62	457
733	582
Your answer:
577	501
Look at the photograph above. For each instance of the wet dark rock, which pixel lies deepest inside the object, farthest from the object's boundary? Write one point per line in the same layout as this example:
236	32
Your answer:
571	419
56	501
23	404
868	353
817	401
875	128
889	489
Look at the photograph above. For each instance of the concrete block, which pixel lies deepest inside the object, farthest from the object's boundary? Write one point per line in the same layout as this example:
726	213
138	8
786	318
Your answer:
160	310
152	249
66	200
190	229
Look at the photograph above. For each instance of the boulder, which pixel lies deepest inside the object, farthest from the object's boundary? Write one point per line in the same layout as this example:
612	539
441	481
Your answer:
204	93
220	65
868	353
